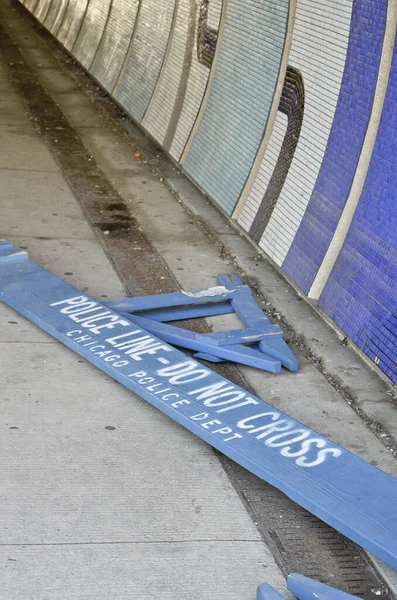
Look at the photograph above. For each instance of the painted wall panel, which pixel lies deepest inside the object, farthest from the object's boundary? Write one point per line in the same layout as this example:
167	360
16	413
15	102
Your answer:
361	293
344	145
265	172
208	18
145	57
232	127
318	53
41	10
164	110
71	23
115	42
55	15
91	31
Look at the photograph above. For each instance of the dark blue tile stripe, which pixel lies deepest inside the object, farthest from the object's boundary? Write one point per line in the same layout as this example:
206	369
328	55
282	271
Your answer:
344	145
361	293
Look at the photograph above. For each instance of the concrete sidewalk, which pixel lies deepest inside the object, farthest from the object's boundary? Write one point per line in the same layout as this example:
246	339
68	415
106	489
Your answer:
103	497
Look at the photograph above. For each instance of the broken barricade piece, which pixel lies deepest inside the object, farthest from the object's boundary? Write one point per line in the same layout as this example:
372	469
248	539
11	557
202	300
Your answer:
267	592
196	341
305	588
343	490
266	349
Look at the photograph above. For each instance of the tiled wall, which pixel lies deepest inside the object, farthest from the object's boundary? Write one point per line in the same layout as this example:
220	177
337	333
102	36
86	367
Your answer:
163	112
55	15
71	23
233	123
208	16
344	146
115	41
91	31
142	66
41	9
266	104
361	293
318	52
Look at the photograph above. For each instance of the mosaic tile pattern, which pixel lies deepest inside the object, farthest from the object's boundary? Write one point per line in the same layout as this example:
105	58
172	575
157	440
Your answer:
381	343
41	9
72	22
91	31
361	293
30	4
163	113
55	15
292	104
235	117
207	24
207	36
344	145
145	57
115	42
318	51
265	172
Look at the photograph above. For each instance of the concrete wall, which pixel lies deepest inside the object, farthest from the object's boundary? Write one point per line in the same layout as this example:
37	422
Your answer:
284	113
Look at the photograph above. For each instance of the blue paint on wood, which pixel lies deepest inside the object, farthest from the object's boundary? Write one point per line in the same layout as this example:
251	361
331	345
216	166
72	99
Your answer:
267	592
178	299
209	357
4	245
231	296
197	341
241	336
164	315
253	317
349	494
305	588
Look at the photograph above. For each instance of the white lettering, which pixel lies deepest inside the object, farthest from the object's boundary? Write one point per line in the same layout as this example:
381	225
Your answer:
137	374
120	363
83	338
322	455
242	424
146	380
305	447
151	388
200	416
272	442
236	435
75	300
168	396
209	423
76	311
282	425
73	310
112	357
184	401
223	430
183	373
